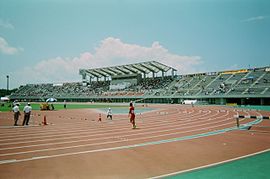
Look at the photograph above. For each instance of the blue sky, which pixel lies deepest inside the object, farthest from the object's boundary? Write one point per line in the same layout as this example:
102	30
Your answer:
49	40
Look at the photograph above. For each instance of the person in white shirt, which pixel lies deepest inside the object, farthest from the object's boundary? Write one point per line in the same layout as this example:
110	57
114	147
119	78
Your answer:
65	104
109	113
27	112
17	113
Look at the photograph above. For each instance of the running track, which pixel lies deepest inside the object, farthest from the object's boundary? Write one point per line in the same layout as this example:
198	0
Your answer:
75	145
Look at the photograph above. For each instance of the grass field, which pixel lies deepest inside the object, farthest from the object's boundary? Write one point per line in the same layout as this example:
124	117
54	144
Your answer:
58	106
265	108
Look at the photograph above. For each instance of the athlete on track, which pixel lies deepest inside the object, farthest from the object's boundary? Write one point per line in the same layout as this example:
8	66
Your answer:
131	114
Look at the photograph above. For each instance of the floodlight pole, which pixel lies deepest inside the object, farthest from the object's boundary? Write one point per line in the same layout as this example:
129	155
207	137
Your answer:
7	83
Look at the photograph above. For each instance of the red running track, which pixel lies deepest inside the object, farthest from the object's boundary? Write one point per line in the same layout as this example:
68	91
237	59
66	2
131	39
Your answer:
75	141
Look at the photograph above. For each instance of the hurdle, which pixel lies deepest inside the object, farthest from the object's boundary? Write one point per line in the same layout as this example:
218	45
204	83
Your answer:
238	117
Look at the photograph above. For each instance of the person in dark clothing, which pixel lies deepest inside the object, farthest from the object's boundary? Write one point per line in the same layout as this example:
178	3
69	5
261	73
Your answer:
27	112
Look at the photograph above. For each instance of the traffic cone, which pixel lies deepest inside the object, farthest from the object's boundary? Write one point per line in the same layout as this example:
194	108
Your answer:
44	120
99	117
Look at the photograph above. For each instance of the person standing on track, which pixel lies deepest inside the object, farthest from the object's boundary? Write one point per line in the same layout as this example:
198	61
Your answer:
131	114
65	104
27	112
109	113
17	113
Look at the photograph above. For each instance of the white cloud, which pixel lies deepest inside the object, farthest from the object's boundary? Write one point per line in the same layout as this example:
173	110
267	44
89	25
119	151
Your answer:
114	52
110	52
5	48
257	18
6	24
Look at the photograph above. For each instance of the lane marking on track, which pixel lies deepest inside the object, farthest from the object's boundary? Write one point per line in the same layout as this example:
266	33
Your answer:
39	157
12	127
67	130
129	135
173	114
93	133
103	143
159	126
217	132
8	161
193	116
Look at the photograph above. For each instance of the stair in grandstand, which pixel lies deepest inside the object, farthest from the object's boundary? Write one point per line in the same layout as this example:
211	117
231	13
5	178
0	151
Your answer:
264	90
194	85
213	81
202	80
237	83
169	89
179	86
260	76
219	84
209	79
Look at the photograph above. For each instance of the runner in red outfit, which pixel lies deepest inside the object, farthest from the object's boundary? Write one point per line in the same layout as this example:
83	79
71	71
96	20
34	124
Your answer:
131	114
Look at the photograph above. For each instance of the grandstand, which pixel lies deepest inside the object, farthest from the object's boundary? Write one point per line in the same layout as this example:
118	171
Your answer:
154	82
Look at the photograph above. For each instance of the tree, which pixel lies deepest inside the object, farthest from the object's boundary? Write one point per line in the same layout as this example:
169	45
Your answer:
5	92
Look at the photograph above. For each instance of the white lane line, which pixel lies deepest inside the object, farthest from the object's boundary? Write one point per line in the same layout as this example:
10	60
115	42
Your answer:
34	133
101	132
67	130
94	132
113	148
40	157
84	123
103	143
124	147
12	127
210	165
157	129
129	135
167	130
8	161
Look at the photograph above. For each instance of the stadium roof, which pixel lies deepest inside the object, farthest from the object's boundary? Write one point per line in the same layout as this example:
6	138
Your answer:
136	68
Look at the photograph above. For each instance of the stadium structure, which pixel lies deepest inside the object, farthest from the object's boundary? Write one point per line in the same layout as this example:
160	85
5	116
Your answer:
154	82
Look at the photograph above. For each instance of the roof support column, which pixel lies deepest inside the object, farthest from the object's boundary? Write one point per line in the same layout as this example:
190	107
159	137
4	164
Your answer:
262	101
83	77
173	72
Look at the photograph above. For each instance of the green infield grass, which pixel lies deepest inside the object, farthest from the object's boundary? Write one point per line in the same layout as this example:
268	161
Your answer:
58	106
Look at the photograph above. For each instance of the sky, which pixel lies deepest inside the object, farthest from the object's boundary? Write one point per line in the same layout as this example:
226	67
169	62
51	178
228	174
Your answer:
48	41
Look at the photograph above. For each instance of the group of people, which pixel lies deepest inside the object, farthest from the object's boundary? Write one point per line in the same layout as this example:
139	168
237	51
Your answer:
131	114
27	112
